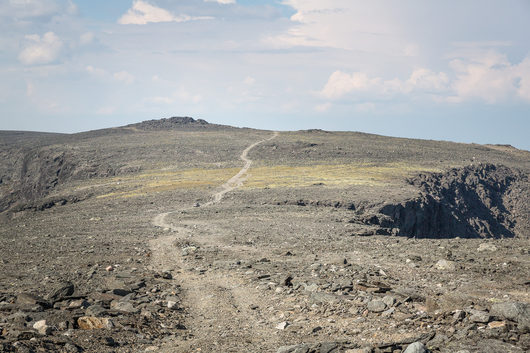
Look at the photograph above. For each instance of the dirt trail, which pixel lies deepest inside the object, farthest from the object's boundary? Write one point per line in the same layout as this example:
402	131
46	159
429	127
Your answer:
218	303
238	179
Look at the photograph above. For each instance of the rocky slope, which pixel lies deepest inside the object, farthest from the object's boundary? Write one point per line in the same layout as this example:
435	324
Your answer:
326	242
475	201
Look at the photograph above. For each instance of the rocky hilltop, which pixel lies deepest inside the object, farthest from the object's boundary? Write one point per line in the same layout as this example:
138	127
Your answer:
172	123
177	235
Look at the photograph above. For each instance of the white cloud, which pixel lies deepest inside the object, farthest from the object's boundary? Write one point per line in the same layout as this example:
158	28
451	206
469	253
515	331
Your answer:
341	83
367	26
485	76
41	50
420	81
489	76
524	84
142	13
124	76
427	80
224	2
28	8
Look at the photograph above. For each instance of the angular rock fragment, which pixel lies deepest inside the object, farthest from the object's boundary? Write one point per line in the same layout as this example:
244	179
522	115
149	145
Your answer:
62	291
376	306
91	323
514	311
416	347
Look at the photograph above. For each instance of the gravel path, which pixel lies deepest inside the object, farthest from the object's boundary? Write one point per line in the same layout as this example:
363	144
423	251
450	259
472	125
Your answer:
218	305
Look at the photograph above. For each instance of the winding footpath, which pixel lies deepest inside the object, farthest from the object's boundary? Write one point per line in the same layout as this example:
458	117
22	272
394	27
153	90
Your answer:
217	303
232	184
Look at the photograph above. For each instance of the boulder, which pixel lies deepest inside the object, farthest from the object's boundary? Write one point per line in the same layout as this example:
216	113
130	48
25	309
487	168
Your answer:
416	347
514	311
92	322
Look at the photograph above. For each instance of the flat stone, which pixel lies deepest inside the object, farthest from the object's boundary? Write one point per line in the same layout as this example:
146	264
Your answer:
62	291
376	306
104	297
479	316
388	313
23	335
123	306
445	265
497	324
328	347
78	304
299	348
91	323
30	299
313	287
359	350
416	347
389	300
322	297
515	311
120	291
486	247
95	310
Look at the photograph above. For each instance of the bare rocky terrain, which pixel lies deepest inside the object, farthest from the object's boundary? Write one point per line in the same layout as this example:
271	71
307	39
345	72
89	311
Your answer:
177	235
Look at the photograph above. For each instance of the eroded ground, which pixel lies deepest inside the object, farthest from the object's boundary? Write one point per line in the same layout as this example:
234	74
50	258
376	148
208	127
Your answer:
281	260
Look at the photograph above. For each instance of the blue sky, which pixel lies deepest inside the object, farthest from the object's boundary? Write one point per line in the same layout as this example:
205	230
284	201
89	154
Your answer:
450	70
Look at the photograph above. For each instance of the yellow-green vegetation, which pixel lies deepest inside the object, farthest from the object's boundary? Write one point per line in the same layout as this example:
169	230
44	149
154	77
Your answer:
157	181
331	175
266	177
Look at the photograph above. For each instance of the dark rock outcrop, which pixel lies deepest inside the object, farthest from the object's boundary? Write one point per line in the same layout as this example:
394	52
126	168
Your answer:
476	201
170	123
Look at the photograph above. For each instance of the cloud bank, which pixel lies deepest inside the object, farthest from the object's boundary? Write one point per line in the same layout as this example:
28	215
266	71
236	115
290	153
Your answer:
142	13
41	50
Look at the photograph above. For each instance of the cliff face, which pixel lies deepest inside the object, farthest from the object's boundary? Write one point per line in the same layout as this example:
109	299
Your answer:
40	171
476	201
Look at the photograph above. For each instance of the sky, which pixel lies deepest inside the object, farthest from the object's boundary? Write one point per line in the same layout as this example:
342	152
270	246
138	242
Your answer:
454	70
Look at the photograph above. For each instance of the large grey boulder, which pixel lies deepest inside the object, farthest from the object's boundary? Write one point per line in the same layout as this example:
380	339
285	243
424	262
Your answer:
514	311
416	347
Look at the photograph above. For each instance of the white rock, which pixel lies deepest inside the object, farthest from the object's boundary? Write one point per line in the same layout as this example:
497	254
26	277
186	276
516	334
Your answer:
486	247
42	328
445	265
282	325
39	324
